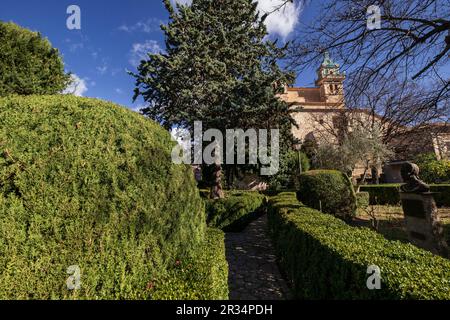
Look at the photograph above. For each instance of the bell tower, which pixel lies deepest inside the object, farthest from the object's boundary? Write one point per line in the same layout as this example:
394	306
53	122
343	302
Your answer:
330	80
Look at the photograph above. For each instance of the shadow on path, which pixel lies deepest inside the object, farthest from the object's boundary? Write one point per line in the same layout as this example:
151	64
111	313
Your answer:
253	271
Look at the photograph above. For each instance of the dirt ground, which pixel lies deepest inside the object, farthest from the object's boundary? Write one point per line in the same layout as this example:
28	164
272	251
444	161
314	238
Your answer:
390	221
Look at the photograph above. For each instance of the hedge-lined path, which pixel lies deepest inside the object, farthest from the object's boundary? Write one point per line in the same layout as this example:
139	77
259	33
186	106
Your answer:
253	271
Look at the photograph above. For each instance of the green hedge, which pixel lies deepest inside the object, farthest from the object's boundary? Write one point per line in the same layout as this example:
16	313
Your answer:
328	190
389	194
89	183
236	211
28	63
202	276
325	258
443	194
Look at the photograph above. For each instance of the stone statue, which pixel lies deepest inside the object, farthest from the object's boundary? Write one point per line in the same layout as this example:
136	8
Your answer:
410	175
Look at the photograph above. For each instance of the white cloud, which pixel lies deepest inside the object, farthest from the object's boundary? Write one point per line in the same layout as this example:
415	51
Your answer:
280	22
137	108
181	136
139	51
102	69
78	86
147	26
283	21
119	91
181	1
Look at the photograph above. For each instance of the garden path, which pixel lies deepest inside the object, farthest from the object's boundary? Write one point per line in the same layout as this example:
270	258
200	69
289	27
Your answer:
253	270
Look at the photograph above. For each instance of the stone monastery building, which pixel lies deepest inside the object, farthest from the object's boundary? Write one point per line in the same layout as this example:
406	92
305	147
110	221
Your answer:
319	119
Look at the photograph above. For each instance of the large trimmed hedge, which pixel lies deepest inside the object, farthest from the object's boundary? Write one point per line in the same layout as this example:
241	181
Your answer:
328	190
201	276
236	211
89	183
325	258
28	63
389	194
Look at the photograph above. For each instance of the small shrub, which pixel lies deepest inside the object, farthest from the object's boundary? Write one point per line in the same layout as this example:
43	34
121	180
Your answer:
328	190
325	258
363	200
236	211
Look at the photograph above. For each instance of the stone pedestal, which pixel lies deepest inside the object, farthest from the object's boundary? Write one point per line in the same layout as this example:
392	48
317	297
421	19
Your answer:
423	223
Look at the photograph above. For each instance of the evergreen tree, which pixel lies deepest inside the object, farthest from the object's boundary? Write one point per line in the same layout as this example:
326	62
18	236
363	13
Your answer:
219	68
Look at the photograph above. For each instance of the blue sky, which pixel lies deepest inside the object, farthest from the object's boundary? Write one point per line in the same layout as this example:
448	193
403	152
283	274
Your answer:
113	37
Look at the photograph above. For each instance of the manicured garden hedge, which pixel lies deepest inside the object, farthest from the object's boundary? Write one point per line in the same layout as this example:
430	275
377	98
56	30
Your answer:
89	183
389	194
202	276
28	63
325	258
236	211
328	190
442	195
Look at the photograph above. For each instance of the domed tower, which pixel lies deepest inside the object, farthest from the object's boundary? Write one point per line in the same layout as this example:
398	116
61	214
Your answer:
330	80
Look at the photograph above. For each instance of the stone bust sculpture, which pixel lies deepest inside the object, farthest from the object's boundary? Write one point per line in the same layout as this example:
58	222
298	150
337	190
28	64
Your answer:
410	175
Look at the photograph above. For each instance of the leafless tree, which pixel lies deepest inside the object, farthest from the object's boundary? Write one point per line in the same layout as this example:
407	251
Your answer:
361	146
393	105
412	43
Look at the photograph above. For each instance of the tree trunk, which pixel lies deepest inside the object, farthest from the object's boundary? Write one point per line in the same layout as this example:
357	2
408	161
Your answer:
216	190
363	179
375	175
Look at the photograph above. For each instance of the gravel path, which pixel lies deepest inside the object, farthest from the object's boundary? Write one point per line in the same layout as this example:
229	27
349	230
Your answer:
253	271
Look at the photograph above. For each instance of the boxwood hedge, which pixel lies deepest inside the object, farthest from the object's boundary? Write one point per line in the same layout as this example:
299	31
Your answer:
201	276
89	183
236	211
328	190
389	194
325	258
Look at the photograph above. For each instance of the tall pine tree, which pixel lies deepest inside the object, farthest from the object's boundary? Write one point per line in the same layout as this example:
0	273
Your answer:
219	68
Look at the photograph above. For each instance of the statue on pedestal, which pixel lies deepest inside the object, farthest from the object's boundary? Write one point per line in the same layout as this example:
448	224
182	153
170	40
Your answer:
410	175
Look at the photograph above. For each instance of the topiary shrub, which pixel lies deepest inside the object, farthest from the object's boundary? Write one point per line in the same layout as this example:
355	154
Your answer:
362	200
28	63
328	190
88	183
325	258
236	211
